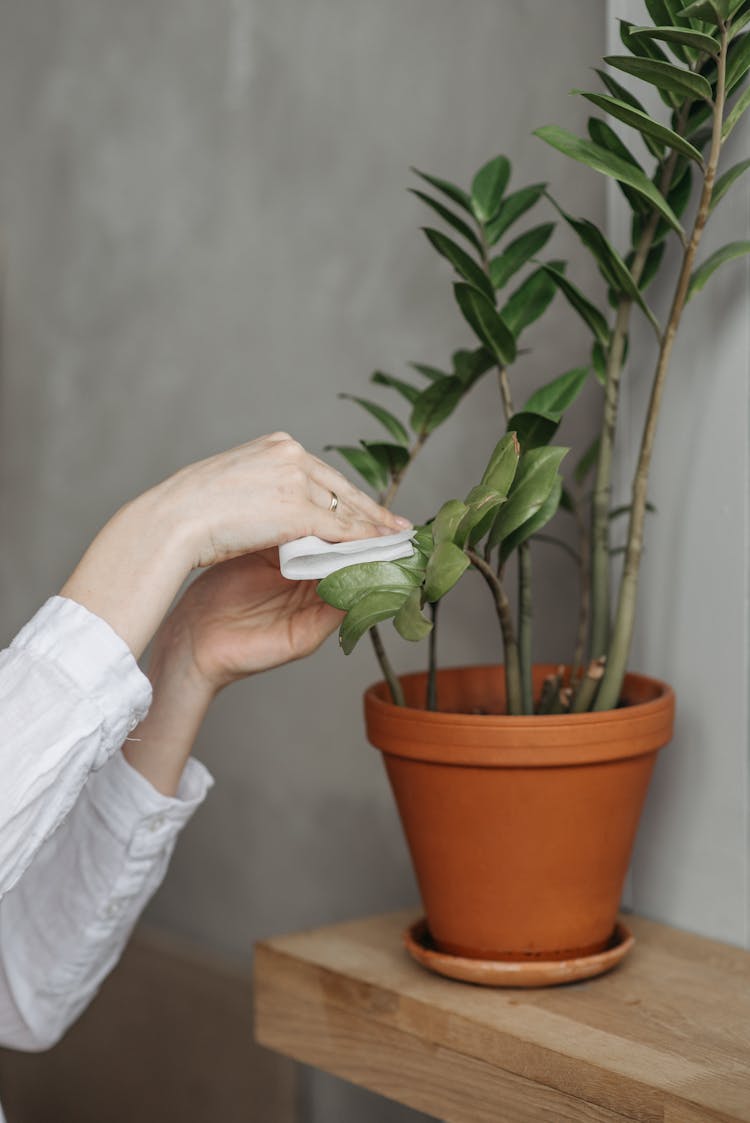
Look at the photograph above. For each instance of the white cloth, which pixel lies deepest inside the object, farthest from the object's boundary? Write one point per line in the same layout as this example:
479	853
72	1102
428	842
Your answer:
310	558
84	838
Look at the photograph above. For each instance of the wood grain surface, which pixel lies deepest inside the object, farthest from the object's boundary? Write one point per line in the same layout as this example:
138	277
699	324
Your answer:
664	1037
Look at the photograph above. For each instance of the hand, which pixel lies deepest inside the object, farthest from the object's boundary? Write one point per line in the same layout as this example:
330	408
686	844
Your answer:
242	617
268	492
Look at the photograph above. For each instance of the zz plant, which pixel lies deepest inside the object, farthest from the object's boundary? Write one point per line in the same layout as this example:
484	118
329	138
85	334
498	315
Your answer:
697	57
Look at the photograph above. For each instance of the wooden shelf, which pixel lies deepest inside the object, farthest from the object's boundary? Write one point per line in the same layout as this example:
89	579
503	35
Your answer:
665	1036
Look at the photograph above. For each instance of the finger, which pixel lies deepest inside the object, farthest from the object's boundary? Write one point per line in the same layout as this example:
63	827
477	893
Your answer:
333	481
343	526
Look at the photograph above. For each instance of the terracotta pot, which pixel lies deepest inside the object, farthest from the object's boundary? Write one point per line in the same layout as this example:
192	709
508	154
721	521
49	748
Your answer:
520	828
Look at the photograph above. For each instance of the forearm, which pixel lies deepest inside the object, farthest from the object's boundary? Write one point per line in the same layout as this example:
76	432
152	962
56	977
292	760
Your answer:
133	569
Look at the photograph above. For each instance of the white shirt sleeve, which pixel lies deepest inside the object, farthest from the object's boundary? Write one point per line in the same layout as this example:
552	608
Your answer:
84	838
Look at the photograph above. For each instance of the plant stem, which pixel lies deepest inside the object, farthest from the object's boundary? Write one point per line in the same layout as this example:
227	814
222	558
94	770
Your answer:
586	692
431	700
622	635
514	694
600	552
584	609
525	614
397	694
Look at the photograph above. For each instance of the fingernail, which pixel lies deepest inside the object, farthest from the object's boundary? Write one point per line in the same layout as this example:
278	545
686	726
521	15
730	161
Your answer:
405	523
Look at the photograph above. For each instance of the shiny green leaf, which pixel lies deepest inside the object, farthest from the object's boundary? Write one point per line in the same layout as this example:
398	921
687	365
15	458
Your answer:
603	134
582	305
512	208
371	609
533	428
641	48
533	525
488	187
738	62
502	464
712	263
739	107
435	404
663	75
392	458
343	588
445	187
683	36
534	480
518	252
557	396
702	9
391	423
469	366
664	17
678	198
429	372
448	216
645	125
411	393
481	315
444	569
365	463
530	300
725	181
446	521
607	163
461	262
409	621
482	503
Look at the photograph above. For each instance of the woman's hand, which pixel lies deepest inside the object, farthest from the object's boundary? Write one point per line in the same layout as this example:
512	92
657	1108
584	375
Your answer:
259	495
238	618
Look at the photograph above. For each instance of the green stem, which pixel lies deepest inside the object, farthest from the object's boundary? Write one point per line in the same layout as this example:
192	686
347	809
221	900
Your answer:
390	676
431	701
525	613
584	603
514	693
586	692
622	634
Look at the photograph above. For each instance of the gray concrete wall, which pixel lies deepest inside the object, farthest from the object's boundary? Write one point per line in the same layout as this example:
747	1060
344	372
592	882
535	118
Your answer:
205	235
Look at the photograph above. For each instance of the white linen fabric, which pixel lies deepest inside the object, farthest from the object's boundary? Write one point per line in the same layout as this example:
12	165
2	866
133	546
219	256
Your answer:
310	558
84	839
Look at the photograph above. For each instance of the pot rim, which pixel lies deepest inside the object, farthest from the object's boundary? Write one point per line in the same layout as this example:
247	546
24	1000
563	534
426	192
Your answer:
501	740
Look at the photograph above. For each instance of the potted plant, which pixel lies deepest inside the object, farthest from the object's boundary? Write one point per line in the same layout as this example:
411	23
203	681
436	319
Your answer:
520	786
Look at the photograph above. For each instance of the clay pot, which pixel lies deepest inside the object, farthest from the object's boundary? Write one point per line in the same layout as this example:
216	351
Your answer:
520	828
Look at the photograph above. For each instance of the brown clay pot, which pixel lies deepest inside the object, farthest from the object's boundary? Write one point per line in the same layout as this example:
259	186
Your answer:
520	828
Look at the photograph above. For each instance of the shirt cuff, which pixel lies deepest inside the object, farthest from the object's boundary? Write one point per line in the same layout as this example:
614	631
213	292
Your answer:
98	662
137	814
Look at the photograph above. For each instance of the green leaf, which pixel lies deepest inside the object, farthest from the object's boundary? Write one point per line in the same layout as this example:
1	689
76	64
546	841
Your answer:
712	263
409	621
533	428
502	464
738	24
641	48
481	315
482	503
429	372
585	309
739	107
738	62
461	262
559	394
518	252
534	480
446	521
678	198
469	366
702	9
444	569
448	216
622	93
511	209
651	267
369	610
530	300
457	194
602	134
392	458
683	36
613	268
599	362
663	75
344	588
608	164
487	188
363	462
645	125
534	524
411	393
664	17
587	463
435	404
391	423
725	181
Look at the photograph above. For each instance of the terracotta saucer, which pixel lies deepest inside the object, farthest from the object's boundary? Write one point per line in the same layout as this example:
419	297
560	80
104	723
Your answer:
515	973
